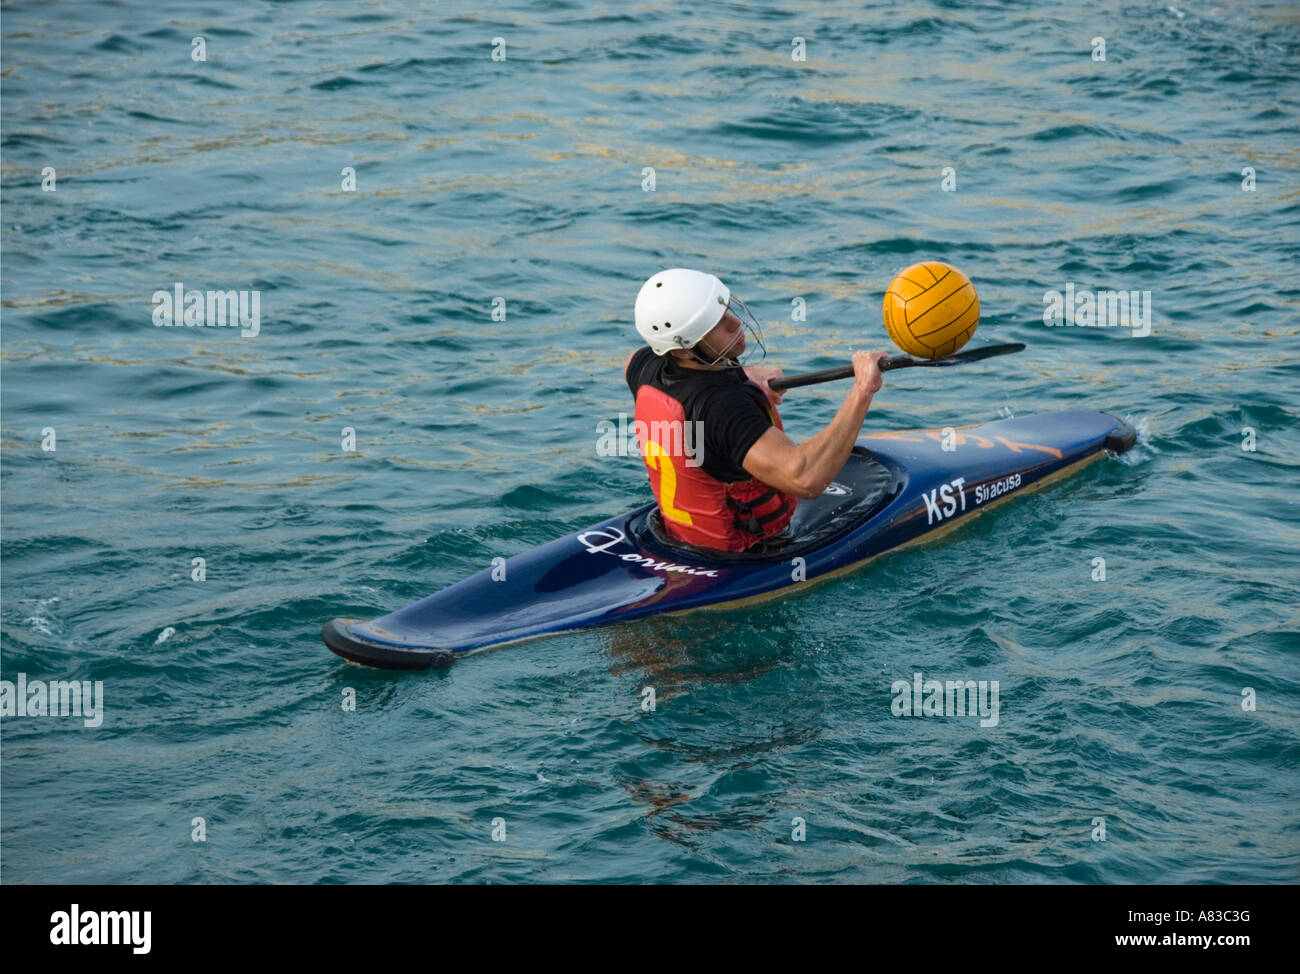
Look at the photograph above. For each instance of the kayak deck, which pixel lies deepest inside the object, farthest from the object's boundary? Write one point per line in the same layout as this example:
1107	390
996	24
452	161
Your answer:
898	487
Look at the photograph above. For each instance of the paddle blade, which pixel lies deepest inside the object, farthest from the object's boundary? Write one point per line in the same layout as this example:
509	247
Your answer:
970	355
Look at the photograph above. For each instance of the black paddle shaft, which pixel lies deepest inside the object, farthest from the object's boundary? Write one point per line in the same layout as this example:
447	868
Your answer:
897	362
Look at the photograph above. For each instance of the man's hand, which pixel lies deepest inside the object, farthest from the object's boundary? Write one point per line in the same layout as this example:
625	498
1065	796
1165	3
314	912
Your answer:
762	375
867	377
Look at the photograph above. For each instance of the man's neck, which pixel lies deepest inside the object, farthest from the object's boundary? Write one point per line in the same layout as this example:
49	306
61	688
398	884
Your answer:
689	361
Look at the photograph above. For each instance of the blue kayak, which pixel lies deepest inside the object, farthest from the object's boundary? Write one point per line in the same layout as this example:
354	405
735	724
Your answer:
896	488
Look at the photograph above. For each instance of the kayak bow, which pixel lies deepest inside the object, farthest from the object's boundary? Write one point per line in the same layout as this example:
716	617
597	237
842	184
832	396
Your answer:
897	488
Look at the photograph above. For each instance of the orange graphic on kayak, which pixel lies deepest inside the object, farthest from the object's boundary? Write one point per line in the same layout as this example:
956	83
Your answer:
961	439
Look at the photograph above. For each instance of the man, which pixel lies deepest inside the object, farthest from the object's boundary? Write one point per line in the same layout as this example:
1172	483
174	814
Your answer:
739	482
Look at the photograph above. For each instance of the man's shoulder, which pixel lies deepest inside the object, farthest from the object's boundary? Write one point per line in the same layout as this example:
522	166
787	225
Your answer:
729	408
642	356
636	366
733	389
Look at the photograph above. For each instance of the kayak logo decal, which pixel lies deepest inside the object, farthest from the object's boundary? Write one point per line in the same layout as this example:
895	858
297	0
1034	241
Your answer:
944	495
988	492
613	537
942	503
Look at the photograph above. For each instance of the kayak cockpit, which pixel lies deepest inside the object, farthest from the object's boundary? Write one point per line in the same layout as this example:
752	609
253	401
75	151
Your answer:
862	487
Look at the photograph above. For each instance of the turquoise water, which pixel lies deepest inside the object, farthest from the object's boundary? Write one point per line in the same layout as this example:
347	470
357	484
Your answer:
475	438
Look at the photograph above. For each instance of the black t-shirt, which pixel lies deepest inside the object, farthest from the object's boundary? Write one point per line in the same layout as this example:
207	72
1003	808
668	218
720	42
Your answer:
733	410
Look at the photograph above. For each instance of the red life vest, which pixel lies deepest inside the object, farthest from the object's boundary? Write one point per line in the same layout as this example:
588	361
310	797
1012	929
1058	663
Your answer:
699	509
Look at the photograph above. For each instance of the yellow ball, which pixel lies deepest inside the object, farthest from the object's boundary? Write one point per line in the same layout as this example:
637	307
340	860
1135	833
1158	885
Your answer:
931	309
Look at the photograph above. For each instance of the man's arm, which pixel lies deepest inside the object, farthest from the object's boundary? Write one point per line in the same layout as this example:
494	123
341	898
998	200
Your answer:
628	362
805	469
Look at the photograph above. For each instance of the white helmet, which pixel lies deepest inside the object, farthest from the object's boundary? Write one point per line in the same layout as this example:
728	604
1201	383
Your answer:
678	307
